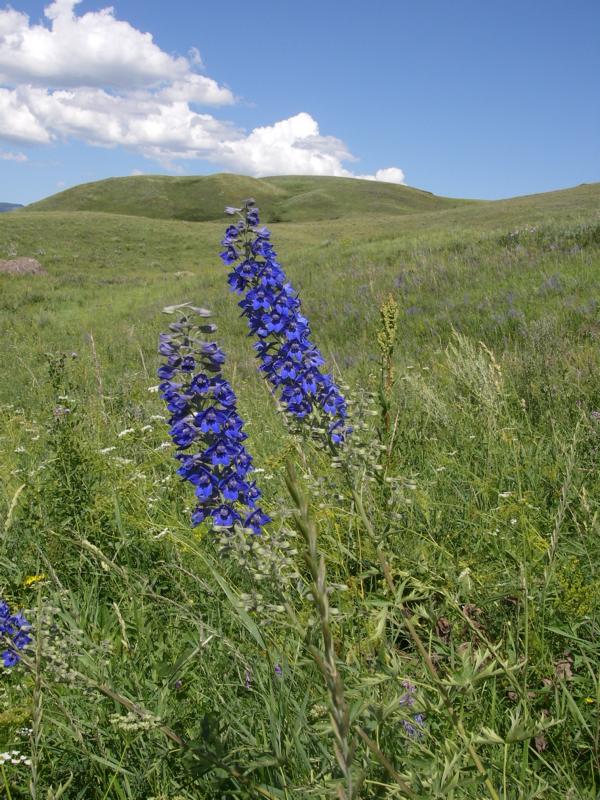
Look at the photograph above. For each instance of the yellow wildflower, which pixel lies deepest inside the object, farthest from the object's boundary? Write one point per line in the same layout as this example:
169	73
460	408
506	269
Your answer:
30	580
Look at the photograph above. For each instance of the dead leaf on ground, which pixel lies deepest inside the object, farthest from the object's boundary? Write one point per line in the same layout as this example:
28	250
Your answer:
563	667
443	628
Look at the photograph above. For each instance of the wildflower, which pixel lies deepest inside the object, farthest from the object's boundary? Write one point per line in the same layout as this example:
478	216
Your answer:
288	359
206	428
14	633
408	698
414	728
30	580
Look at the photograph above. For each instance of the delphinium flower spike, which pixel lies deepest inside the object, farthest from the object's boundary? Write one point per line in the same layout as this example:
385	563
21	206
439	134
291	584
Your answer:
288	358
14	634
205	425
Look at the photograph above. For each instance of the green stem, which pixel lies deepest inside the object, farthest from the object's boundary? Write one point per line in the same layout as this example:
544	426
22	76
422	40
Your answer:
5	781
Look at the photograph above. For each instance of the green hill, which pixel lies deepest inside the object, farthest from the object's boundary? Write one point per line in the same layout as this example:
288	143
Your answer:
281	199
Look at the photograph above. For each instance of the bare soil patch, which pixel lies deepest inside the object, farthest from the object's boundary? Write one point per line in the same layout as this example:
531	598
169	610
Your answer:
22	266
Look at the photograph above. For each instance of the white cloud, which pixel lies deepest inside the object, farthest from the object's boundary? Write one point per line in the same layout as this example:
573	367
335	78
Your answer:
291	146
141	122
97	79
194	88
195	57
94	49
6	155
387	175
18	122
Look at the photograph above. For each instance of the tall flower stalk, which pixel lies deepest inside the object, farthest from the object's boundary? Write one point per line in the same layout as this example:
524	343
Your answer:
288	358
205	425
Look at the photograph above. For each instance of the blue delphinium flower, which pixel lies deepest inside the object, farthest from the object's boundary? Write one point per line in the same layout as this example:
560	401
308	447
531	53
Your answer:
205	426
14	633
288	358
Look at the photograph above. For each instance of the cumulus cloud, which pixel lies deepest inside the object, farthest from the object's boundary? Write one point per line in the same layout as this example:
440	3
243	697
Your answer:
94	49
291	146
137	122
387	175
97	79
18	123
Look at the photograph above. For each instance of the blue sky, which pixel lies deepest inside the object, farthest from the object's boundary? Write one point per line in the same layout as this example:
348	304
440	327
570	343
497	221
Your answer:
471	99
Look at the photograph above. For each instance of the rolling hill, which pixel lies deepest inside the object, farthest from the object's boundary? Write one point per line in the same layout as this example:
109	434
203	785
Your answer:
9	206
281	199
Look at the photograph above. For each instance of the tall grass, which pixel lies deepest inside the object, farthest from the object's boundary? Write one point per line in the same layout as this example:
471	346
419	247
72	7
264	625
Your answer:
436	631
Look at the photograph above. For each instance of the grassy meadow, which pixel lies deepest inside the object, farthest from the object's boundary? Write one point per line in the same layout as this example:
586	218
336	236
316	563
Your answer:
461	548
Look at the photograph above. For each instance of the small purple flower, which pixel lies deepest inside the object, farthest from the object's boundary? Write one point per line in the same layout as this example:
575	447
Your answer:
9	658
15	632
210	420
408	698
256	520
200	384
414	728
204	483
278	670
224	516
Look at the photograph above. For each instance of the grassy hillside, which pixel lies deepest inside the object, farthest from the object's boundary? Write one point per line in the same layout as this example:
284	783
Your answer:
203	198
477	518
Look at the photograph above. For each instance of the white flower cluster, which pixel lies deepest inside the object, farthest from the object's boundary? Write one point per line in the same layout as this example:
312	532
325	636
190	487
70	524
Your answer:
134	723
14	757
